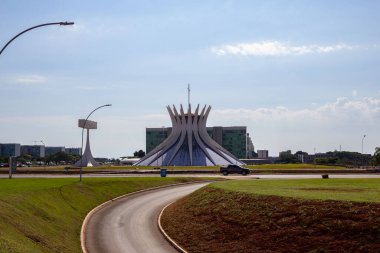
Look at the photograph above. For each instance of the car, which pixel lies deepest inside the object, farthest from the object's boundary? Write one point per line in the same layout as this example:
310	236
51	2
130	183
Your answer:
234	169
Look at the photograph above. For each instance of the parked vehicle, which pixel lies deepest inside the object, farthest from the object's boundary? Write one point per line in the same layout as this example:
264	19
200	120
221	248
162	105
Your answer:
234	169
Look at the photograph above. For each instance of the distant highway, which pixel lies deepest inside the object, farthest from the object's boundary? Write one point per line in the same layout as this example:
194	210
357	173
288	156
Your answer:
130	224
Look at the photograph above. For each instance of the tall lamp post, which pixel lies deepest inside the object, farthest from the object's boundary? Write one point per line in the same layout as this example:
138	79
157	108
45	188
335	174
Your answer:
363	149
34	27
44	154
10	41
163	139
363	142
85	122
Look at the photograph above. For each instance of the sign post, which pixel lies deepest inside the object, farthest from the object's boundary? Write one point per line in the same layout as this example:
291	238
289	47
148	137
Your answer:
12	165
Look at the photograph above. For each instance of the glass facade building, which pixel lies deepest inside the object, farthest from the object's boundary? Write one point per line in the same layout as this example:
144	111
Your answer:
73	151
15	149
234	139
33	150
154	136
53	150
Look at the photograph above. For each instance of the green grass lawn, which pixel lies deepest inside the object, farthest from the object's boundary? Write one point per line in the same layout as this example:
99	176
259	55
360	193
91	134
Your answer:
359	190
45	215
304	215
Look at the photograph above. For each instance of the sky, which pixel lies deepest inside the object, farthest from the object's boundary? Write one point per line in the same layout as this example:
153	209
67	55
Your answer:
301	75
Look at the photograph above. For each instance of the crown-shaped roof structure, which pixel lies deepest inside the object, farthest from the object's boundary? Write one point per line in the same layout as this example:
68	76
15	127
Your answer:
189	143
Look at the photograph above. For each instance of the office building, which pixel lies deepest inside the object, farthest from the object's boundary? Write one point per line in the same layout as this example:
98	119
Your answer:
53	150
155	136
73	151
262	154
33	150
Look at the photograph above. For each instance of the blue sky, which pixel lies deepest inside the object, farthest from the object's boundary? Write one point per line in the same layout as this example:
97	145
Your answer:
300	74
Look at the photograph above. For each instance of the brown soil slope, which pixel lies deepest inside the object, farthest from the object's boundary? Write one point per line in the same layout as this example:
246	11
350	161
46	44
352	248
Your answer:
214	220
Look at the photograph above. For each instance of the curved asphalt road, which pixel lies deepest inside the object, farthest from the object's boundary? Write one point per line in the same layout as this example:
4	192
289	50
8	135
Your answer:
130	224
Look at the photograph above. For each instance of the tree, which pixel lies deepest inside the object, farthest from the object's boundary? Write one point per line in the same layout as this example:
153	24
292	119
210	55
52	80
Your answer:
377	151
376	157
328	160
288	157
61	157
25	158
4	159
301	153
139	153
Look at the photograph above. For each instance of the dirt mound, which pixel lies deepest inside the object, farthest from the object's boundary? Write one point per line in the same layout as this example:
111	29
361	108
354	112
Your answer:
214	220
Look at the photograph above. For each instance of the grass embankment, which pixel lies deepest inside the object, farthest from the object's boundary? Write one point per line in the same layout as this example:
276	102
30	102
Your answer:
45	215
334	215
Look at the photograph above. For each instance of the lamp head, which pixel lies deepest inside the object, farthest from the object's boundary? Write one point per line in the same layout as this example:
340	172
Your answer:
66	23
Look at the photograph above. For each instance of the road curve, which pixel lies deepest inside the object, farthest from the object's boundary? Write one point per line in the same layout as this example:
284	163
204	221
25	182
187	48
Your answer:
130	224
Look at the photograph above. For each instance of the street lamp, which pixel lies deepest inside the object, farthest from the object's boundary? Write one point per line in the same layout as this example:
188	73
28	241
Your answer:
44	154
34	27
81	151
31	28
363	149
363	142
163	139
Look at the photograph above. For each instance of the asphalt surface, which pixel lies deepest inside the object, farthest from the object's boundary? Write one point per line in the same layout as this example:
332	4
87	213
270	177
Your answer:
233	176
130	224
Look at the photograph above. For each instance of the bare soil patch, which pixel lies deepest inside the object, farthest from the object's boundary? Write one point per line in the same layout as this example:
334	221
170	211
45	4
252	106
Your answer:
215	220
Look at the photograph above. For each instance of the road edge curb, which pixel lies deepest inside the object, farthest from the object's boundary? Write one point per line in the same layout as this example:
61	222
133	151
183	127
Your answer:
166	236
97	208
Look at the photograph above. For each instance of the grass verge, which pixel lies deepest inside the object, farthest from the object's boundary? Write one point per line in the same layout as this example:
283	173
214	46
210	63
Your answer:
45	215
359	190
279	216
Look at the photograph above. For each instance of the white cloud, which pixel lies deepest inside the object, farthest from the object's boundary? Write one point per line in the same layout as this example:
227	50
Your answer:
343	110
30	79
274	48
324	127
354	93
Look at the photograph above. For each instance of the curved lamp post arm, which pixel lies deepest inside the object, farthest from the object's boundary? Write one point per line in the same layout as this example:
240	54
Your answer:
85	122
34	27
363	142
